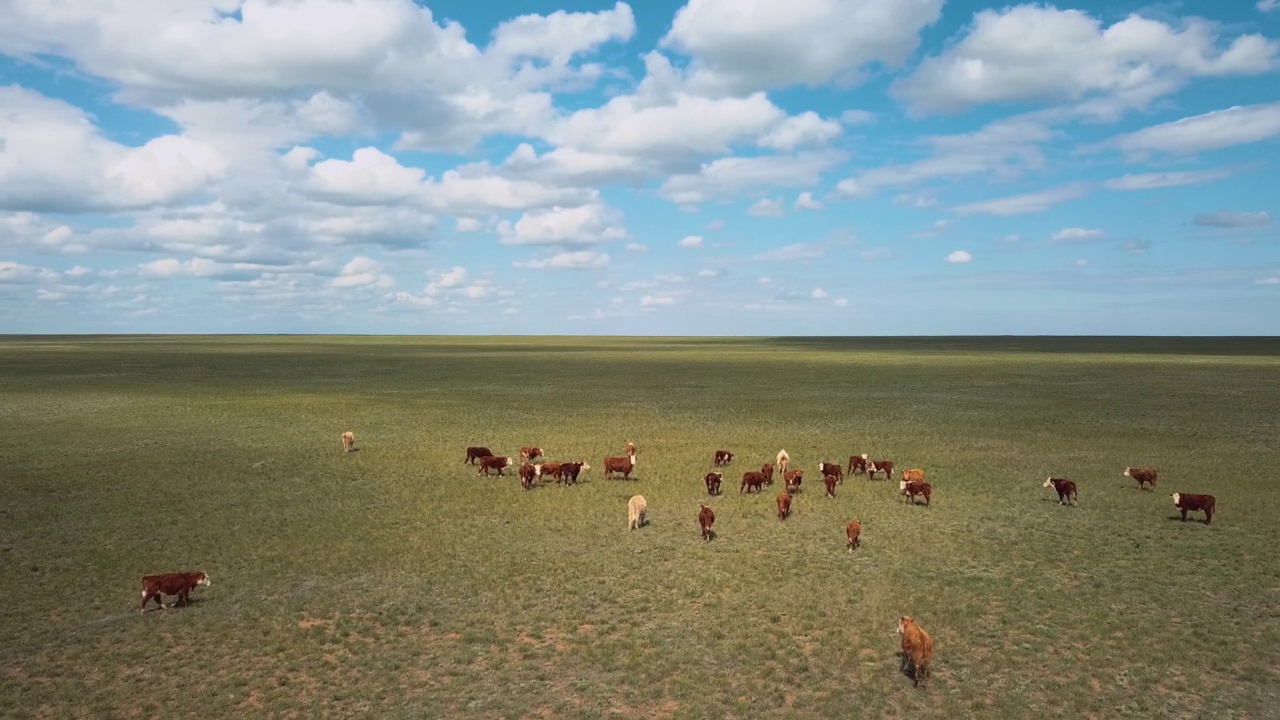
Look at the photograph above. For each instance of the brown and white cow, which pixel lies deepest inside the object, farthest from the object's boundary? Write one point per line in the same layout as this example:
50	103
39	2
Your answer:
858	464
180	584
722	457
911	489
1188	502
917	649
875	466
751	480
706	518
1065	488
784	505
713	483
853	531
631	448
826	468
348	441
528	473
476	452
621	465
913	474
1143	476
569	471
636	508
530	453
782	460
792	479
493	462
830	482
550	469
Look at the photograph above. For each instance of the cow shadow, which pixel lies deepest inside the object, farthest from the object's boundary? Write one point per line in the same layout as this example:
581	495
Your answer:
907	668
711	535
1189	519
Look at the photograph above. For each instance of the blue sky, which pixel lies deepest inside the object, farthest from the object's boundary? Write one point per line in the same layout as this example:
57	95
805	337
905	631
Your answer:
715	167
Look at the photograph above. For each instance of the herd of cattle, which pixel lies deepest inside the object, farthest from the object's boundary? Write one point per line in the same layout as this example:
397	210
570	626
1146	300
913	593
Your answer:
917	646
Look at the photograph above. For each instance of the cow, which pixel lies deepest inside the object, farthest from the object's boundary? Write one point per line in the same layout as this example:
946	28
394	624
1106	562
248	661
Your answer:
914	474
858	464
826	468
493	462
784	505
875	466
569	471
527	474
348	442
623	465
631	448
705	520
853	530
917	649
636	508
751	479
767	471
1187	502
830	482
723	457
551	469
180	584
713	483
1143	476
1066	490
530	453
782	460
911	489
792	480
475	453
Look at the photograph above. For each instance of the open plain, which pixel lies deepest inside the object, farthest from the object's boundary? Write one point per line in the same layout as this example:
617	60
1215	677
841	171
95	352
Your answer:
393	581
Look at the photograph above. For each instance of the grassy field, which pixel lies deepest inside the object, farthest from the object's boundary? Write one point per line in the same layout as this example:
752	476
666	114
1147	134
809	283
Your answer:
394	582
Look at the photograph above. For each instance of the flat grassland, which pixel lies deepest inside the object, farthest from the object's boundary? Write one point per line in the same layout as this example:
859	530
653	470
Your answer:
394	582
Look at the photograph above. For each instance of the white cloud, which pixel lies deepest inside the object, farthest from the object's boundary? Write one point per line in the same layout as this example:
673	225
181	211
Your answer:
690	241
574	260
917	201
1009	239
857	117
1135	246
1211	131
1024	204
1268	5
1151	181
17	273
959	257
766	207
710	273
714	225
363	272
652	301
1227	219
1269	281
370	177
803	129
468	225
841	302
791	253
1081	263
731	176
454	277
1076	234
818	294
637	247
585	225
937	229
805	201
1032	52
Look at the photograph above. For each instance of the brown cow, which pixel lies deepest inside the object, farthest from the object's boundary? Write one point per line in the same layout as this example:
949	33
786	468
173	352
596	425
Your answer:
475	453
348	441
767	471
826	468
636	509
713	483
551	469
623	465
911	489
853	530
569	471
1187	502
705	519
723	457
917	649
858	464
1143	475
180	584
784	505
527	474
830	482
493	462
530	453
875	466
751	479
792	480
1066	490
914	474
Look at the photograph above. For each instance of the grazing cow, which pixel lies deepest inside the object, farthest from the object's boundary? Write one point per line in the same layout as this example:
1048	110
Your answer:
1143	476
853	530
475	453
550	468
915	474
858	464
830	482
784	505
623	465
1066	490
782	460
705	519
751	480
493	462
631	448
530	453
911	489
713	483
723	457
767	471
875	466
1187	502
527	474
917	648
792	479
348	442
180	584
569	471
636	508
826	468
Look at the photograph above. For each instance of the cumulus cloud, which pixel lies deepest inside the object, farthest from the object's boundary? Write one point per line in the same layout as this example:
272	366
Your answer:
959	257
805	201
1239	125
857	117
585	225
818	294
636	247
1024	204
766	207
710	273
690	241
574	260
841	302
803	129
730	176
1227	219
1135	246
363	272
1075	234
653	301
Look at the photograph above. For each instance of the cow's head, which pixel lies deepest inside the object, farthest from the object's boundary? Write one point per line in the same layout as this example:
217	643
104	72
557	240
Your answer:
203	579
507	463
902	485
585	467
864	456
537	470
1126	472
1177	498
903	622
1048	482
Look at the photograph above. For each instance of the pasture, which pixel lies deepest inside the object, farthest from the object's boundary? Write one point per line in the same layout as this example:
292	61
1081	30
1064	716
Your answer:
394	582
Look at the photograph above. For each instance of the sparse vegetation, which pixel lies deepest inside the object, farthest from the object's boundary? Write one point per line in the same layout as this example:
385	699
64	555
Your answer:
393	581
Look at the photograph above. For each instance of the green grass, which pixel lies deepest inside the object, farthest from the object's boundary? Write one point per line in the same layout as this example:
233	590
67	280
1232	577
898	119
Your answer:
394	582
